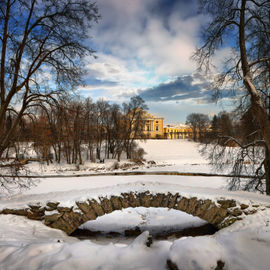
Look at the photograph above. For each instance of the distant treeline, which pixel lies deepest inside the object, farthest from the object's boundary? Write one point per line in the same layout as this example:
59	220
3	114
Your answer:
75	129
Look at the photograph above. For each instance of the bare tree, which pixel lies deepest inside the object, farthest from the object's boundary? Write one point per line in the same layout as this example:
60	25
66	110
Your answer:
89	134
222	125
101	110
39	40
199	123
42	46
133	122
247	68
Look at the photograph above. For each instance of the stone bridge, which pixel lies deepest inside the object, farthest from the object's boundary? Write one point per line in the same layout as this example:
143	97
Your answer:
221	213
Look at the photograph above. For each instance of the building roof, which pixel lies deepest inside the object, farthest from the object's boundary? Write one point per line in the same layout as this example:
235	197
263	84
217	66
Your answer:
151	116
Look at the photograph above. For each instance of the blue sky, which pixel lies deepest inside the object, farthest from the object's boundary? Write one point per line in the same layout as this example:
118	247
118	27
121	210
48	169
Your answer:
144	48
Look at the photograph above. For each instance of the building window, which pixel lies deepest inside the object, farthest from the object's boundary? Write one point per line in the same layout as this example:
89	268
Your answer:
148	128
156	128
157	122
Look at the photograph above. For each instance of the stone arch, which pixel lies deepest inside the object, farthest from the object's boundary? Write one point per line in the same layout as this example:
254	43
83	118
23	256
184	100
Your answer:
220	214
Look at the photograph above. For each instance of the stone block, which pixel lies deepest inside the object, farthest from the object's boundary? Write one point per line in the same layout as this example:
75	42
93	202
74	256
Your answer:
35	215
19	212
145	199
211	213
250	212
84	207
91	215
193	203
219	216
235	212
133	200
64	209
156	200
182	204
173	201
97	208
61	224
166	200
124	200
106	205
227	203
116	203
227	222
34	207
202	207
243	206
51	218
52	205
72	220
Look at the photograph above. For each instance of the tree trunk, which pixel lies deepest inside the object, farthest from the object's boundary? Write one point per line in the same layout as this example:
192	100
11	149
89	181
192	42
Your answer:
267	171
259	110
119	155
98	153
59	152
257	105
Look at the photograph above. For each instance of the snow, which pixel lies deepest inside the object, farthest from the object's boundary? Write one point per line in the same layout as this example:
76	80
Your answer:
151	219
68	197
196	252
180	154
27	244
169	155
243	245
44	248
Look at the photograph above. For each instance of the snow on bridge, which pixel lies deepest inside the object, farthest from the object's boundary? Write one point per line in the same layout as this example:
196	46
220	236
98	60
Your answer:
68	210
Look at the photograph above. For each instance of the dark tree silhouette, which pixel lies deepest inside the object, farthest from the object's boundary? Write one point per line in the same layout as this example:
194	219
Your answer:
40	41
42	47
247	69
199	123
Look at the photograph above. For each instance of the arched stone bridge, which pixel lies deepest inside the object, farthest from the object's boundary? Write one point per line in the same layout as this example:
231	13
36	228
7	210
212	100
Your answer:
221	213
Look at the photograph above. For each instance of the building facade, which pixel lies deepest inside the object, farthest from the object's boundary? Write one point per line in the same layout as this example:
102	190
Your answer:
154	129
153	126
177	132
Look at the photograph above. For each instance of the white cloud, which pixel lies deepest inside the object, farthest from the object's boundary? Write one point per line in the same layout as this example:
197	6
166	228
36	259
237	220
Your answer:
128	30
139	48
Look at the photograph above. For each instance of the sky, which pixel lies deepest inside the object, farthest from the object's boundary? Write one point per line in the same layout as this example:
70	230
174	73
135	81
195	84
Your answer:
144	47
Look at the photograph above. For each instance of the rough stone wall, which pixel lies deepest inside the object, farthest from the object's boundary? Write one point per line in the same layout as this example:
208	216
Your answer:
68	219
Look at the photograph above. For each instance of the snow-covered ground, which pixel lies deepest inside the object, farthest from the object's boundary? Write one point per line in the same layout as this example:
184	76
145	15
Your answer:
175	155
169	155
26	244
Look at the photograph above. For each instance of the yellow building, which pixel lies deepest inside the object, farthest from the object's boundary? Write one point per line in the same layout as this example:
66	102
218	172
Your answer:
154	129
153	126
177	132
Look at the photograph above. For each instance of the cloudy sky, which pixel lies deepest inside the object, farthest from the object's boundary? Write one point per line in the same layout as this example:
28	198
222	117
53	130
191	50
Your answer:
144	48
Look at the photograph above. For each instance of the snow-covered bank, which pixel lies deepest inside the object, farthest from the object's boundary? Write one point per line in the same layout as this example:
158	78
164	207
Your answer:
29	245
243	245
173	155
